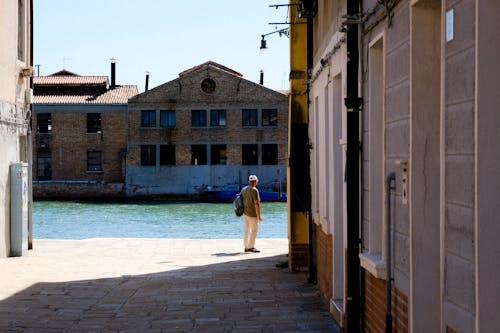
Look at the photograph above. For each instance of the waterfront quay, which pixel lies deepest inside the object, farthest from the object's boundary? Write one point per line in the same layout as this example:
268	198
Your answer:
157	285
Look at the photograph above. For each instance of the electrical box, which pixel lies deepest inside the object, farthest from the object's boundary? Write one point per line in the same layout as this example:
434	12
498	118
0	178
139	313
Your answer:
28	94
18	209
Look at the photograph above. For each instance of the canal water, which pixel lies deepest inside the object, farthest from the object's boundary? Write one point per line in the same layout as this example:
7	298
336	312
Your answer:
72	220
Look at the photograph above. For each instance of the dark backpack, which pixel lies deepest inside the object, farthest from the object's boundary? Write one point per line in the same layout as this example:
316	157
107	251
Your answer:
238	205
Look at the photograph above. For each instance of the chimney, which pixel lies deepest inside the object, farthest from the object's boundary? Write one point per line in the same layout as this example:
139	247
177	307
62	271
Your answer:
261	77
147	82
113	73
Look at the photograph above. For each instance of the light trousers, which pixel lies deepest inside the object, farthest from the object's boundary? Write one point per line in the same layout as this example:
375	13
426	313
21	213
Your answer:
250	232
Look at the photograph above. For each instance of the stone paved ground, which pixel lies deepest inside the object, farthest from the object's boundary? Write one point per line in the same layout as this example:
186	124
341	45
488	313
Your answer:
157	285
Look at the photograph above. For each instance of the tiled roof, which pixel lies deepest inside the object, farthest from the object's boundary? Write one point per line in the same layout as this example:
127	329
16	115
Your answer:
213	64
64	72
119	95
54	80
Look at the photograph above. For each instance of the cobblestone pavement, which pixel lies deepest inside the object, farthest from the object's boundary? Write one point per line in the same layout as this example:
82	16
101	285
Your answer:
157	285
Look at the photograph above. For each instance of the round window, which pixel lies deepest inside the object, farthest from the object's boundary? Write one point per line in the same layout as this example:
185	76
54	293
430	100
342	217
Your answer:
208	85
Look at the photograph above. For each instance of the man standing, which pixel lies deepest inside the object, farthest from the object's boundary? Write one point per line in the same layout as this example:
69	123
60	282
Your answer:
251	213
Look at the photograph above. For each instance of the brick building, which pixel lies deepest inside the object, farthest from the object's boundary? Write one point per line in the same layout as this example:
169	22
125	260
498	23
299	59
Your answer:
81	129
208	127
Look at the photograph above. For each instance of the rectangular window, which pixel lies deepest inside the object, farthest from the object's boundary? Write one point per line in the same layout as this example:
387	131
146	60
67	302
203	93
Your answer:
269	154
93	123
44	123
167	118
21	27
376	145
94	161
148	154
198	154
250	154
199	118
249	117
167	154
218	154
148	118
217	118
44	165
269	117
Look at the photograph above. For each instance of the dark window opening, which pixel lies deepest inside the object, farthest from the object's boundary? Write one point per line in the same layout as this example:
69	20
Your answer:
93	123
167	155
198	154
148	118
167	118
218	154
250	155
148	155
269	117
44	123
199	118
94	161
218	118
21	26
44	165
269	154
249	117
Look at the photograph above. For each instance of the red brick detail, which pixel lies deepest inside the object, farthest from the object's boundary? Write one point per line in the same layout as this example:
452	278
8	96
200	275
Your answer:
324	243
298	260
78	191
375	307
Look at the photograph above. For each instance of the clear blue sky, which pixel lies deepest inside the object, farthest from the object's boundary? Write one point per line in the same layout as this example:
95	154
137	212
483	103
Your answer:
164	37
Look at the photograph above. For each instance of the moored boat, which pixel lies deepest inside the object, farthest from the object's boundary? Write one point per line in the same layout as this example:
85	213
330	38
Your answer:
227	193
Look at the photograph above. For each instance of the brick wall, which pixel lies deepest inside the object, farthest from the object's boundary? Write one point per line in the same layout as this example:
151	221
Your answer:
233	135
77	190
324	262
298	260
69	143
184	94
375	307
183	154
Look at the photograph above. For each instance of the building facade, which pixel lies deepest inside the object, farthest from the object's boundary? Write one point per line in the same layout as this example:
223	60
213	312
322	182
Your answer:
80	141
428	181
209	128
15	99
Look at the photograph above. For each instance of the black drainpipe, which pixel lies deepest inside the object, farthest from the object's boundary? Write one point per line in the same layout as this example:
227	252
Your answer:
388	279
353	102
312	271
29	139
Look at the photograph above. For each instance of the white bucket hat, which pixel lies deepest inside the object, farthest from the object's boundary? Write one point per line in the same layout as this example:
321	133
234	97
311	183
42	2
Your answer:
252	178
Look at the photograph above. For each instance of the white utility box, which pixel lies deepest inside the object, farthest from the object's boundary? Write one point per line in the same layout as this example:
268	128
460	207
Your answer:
18	209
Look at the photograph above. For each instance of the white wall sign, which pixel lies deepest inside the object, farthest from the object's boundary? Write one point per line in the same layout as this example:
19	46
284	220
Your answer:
450	17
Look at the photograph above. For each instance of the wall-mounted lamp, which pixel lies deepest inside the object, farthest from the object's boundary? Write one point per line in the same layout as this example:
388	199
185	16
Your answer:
263	44
281	32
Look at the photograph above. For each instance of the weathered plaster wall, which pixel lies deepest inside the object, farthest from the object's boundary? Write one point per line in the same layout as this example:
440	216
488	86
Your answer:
13	112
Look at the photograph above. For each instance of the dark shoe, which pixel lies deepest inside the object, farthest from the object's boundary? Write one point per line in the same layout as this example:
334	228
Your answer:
247	250
254	250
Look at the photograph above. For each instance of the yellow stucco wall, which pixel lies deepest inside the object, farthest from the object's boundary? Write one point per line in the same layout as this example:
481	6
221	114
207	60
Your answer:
298	221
